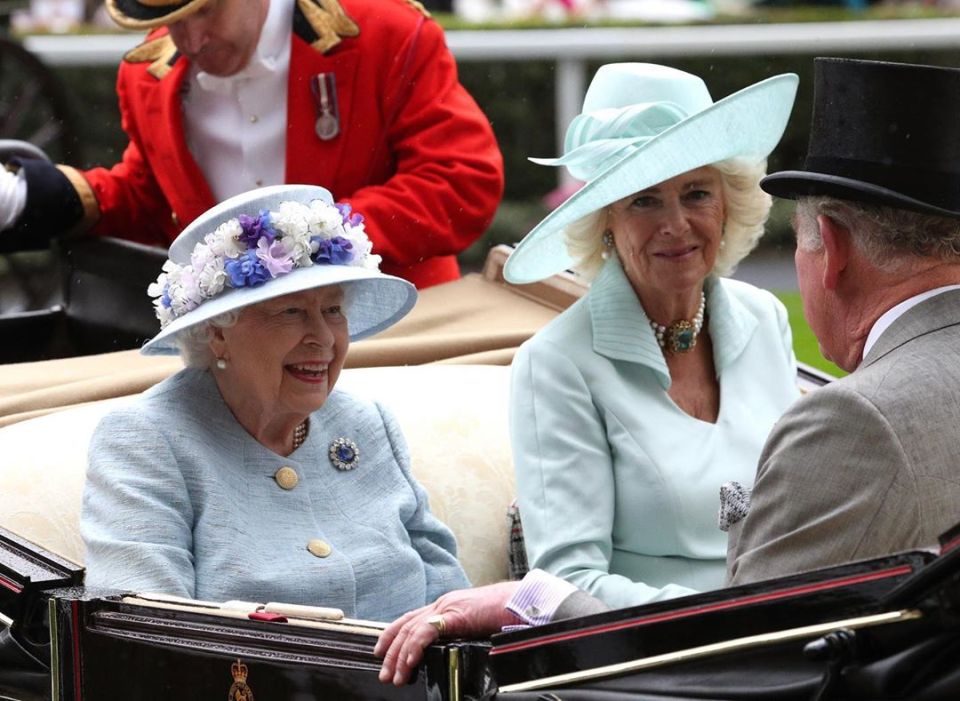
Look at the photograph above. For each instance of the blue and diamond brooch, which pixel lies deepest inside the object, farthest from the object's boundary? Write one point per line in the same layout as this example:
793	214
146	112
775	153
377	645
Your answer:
344	454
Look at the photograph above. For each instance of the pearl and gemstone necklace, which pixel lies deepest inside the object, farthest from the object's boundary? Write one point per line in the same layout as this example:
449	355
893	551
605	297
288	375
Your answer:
680	336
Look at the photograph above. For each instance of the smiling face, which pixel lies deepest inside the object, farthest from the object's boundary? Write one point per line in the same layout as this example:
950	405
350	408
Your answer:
221	36
283	357
667	236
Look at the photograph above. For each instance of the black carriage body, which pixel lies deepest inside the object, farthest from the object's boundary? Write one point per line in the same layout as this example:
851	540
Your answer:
740	643
115	648
28	573
109	649
734	629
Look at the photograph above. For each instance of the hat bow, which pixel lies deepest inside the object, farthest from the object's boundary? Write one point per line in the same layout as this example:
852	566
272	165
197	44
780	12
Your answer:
596	140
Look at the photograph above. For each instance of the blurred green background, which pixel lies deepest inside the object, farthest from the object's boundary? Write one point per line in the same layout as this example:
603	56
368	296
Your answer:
804	342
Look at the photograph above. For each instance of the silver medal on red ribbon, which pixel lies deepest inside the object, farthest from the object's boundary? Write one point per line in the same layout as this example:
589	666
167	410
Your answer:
324	89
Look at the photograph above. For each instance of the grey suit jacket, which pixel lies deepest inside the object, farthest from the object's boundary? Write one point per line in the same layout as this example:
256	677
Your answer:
866	466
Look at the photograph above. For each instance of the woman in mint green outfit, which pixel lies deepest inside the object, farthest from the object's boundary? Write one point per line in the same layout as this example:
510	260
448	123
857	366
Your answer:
633	407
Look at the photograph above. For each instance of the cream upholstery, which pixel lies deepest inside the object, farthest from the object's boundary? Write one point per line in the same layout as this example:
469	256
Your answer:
454	418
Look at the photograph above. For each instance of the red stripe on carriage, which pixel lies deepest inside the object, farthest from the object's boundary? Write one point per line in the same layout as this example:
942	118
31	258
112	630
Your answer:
718	606
949	545
10	584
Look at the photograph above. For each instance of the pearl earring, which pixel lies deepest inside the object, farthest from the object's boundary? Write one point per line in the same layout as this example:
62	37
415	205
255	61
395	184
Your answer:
221	364
608	244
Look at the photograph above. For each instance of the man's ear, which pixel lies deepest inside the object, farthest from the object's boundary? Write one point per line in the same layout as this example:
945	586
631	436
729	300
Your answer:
836	250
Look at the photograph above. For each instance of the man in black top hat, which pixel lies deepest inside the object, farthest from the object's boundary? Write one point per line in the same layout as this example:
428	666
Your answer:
870	464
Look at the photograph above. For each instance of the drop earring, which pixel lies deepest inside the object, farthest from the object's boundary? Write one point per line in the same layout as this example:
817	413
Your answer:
221	364
607	243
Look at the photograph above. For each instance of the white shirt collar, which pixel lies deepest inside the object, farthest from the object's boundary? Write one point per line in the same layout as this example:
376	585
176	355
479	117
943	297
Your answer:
891	315
272	47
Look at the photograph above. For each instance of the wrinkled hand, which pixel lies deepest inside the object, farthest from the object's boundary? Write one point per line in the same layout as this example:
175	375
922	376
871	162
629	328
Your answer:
476	612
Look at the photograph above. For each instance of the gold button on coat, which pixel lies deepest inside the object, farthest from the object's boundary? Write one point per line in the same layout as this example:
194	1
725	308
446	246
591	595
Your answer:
287	477
320	548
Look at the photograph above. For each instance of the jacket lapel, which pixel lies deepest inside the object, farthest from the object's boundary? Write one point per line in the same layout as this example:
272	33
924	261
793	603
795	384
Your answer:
930	315
621	328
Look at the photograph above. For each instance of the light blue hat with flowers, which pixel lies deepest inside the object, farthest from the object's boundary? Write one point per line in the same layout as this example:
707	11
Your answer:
641	124
268	243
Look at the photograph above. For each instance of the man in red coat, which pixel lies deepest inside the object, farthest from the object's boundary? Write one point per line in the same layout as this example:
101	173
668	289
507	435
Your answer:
359	96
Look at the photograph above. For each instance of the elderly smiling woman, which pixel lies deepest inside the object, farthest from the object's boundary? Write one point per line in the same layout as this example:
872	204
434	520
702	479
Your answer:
631	409
247	475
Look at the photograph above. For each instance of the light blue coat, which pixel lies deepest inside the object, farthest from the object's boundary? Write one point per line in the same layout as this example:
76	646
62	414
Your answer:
181	499
618	487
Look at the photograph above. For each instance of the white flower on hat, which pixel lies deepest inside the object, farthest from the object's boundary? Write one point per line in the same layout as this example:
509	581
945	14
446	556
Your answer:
225	241
329	218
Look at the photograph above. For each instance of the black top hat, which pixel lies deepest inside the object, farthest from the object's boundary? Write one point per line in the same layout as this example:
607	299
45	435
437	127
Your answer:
882	133
146	14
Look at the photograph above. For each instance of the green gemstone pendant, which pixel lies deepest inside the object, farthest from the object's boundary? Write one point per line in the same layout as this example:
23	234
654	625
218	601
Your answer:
680	337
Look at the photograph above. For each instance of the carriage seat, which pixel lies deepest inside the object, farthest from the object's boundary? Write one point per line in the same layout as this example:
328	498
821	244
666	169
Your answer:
454	418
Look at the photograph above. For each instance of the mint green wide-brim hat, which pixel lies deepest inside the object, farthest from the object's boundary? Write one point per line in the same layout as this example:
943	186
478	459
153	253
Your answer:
642	124
197	286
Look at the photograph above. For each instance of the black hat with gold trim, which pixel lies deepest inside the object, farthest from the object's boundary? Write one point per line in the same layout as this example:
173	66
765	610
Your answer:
147	14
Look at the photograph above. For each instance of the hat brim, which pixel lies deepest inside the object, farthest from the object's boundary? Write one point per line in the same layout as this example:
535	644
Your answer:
374	302
131	14
791	184
748	123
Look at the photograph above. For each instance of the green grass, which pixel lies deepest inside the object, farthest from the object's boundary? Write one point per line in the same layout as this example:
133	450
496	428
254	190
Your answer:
804	342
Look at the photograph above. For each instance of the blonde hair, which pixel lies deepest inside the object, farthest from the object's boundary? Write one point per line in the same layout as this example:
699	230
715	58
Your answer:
746	209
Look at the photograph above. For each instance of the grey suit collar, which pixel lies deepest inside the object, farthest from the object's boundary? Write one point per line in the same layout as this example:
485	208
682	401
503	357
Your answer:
621	328
930	315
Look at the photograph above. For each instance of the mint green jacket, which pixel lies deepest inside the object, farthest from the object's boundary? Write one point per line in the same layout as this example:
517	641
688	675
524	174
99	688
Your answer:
618	487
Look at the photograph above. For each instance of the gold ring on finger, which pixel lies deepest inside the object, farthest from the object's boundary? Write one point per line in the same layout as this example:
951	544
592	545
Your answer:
439	623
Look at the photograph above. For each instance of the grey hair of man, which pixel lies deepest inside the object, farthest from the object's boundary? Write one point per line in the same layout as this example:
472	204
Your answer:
746	209
887	236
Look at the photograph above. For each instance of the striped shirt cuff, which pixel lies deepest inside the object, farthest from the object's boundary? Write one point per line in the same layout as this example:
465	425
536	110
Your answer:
537	599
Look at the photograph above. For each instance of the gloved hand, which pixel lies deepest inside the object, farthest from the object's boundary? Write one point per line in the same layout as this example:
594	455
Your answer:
13	197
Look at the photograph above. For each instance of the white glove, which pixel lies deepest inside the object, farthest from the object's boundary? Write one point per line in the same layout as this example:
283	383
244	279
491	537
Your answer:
13	197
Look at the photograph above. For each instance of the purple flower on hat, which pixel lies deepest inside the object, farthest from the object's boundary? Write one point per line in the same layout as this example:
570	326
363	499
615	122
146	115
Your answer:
247	270
165	297
275	257
334	251
347	214
255	228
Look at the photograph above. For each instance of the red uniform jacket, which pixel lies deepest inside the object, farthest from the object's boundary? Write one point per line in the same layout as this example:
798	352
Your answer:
415	155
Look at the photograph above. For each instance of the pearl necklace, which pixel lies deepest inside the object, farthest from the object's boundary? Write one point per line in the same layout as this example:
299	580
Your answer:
299	435
680	336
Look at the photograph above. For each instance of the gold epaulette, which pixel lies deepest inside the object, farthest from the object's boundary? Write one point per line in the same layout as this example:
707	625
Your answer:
330	22
418	6
158	52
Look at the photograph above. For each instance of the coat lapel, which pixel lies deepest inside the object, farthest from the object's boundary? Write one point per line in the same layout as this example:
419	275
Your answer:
621	328
930	315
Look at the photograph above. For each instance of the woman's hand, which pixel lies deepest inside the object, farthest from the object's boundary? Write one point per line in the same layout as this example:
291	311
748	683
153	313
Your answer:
476	612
